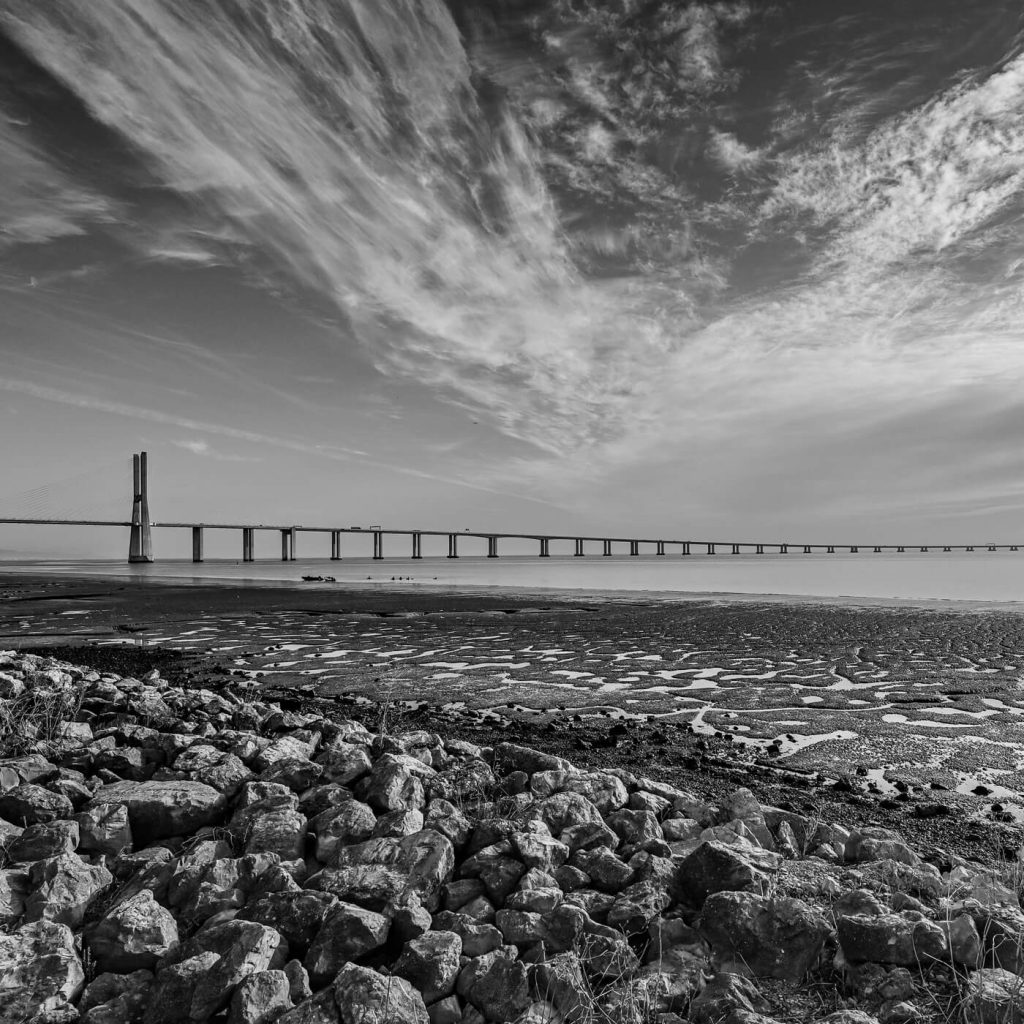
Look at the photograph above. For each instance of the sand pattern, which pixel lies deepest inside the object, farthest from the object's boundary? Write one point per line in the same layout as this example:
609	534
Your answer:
896	693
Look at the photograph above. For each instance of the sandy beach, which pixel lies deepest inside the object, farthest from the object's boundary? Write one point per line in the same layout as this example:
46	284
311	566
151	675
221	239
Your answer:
897	698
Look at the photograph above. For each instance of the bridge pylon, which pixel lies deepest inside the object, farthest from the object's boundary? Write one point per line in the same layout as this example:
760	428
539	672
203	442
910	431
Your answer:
140	545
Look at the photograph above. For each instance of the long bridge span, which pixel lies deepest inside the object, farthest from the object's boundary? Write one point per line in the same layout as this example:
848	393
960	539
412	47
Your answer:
140	547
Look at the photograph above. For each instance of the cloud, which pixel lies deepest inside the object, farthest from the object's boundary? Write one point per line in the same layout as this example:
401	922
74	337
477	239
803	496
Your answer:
198	447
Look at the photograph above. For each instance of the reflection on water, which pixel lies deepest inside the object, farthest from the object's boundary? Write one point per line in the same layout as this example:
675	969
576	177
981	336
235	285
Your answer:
960	576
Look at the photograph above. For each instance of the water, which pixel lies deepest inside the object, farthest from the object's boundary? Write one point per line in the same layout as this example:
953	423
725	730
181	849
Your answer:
915	576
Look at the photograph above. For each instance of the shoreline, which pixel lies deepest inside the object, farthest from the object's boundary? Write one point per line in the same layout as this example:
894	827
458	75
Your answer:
596	596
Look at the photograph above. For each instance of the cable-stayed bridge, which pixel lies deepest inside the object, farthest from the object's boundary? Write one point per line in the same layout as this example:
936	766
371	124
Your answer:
49	505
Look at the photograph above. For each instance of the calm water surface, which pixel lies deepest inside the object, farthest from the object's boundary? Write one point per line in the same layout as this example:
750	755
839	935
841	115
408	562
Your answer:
960	576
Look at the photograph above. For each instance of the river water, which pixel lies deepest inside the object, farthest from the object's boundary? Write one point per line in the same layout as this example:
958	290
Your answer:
914	576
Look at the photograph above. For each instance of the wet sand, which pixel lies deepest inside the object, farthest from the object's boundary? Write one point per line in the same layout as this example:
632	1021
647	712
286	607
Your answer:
920	699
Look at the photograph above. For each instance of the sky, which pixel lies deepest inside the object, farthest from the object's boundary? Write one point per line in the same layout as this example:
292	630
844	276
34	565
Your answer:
714	269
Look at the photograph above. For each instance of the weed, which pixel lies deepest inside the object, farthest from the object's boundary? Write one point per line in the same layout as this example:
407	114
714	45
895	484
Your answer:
33	719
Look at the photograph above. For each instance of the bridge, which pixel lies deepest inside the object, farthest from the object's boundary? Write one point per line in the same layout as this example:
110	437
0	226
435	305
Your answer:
140	542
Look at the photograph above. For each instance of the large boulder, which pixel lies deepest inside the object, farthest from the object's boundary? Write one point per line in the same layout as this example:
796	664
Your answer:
497	984
40	972
160	809
260	999
715	866
993	996
298	916
347	933
366	997
29	804
133	936
906	939
776	938
63	888
396	782
104	829
431	963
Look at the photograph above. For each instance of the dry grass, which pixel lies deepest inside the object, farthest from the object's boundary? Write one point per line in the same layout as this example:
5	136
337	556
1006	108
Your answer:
33	719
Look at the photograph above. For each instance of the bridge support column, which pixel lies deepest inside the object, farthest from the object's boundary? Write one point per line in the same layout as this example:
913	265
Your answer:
453	545
854	549
140	542
335	545
759	549
830	549
578	553
969	549
1013	547
877	550
607	547
711	549
807	549
417	545
660	549
544	545
925	548
900	549
686	547
492	547
286	545
735	549
247	544
197	543
634	547
991	547
783	549
378	545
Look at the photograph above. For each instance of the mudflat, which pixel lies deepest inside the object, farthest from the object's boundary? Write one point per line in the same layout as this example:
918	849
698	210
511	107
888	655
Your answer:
899	707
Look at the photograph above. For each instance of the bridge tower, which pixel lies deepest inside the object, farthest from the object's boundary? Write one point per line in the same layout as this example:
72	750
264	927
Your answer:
140	546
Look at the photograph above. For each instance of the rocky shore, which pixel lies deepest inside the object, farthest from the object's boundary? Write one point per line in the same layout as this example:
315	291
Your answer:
187	855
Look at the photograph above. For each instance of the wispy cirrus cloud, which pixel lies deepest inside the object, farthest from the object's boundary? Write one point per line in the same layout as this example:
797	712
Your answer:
200	447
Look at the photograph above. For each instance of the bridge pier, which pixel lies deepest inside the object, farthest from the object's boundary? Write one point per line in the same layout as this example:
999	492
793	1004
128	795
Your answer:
197	543
492	547
711	549
606	547
759	549
417	545
453	545
634	547
925	548
783	549
288	545
247	544
830	549
686	547
578	553
807	549
1013	547
877	550
378	545
854	549
991	547
544	545
335	545
971	548
660	550
901	548
735	549
140	542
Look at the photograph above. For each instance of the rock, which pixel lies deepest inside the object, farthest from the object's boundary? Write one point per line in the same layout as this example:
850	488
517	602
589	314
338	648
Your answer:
637	905
29	804
174	990
496	984
722	995
993	996
347	933
963	941
298	981
849	1017
133	936
319	1009
44	840
344	762
605	870
776	938
635	828
477	939
116	998
250	948
509	757
223	771
104	830
365	997
352	822
445	1011
875	843
671	982
398	823
539	851
63	888
564	810
14	889
260	998
160	809
282	748
559	980
40	972
444	817
281	831
431	964
718	867
905	939
298	916
297	773
396	783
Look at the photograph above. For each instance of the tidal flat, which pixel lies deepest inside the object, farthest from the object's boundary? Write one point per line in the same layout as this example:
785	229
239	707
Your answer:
911	710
